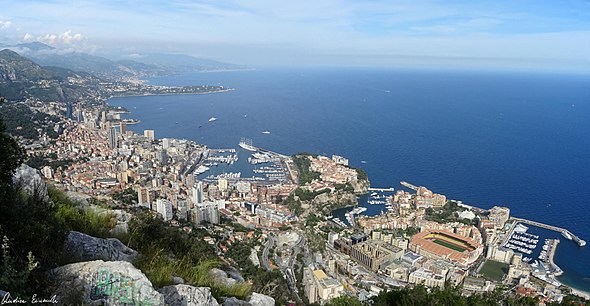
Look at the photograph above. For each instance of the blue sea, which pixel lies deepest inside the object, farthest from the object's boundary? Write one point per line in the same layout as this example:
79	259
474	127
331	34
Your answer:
486	138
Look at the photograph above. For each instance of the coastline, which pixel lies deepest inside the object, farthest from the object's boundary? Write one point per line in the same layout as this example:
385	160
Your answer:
349	206
174	94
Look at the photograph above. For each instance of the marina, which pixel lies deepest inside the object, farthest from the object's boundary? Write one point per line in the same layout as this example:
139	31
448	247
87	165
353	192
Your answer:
564	232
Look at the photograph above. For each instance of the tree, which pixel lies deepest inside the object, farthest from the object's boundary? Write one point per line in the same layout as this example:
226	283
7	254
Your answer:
11	156
344	301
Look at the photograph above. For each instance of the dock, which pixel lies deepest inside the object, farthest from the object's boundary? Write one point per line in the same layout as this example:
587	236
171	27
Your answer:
408	185
563	231
381	189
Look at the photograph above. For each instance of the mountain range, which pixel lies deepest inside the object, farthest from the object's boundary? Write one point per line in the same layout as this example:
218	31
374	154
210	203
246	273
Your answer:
146	65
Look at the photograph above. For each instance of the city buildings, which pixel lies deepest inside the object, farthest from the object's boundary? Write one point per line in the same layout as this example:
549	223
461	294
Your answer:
319	287
164	208
149	134
373	254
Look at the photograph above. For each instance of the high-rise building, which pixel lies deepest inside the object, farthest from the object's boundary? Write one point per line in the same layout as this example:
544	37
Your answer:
112	138
182	210
166	143
164	208
69	110
47	172
206	212
149	134
143	197
222	184
122	127
80	116
162	156
198	193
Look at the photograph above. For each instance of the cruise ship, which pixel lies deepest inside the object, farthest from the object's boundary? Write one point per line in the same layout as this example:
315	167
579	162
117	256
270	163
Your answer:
246	143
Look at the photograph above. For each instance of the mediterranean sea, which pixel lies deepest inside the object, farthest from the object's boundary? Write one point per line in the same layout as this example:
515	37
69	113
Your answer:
487	138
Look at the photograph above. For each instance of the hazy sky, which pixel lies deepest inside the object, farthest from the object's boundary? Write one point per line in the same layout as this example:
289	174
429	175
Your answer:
543	33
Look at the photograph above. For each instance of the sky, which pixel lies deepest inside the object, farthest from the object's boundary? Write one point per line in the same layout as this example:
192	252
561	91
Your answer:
516	33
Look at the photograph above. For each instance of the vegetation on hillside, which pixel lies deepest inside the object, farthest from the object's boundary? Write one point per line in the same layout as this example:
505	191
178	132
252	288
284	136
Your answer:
420	295
167	252
21	121
446	214
271	283
306	175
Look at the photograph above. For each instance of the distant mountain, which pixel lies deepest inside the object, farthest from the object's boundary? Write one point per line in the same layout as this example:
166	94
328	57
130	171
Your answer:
35	46
185	63
21	78
144	66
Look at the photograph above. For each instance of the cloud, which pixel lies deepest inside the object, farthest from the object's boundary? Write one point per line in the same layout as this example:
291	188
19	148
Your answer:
66	38
69	38
5	24
28	37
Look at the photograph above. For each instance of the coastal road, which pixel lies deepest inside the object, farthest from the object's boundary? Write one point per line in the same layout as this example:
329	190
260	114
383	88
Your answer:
269	243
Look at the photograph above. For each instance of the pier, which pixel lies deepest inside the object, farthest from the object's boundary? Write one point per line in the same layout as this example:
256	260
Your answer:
381	189
563	231
408	185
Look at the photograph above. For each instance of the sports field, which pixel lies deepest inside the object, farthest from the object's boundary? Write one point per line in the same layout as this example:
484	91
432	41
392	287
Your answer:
494	270
449	245
449	242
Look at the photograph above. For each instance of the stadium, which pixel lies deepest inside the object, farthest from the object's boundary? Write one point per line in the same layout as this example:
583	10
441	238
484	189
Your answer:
443	244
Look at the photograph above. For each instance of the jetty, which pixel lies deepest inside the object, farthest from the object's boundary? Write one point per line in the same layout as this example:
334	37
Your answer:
408	185
381	189
566	233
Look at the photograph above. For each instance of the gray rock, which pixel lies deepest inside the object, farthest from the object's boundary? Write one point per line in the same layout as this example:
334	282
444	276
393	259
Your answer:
30	180
232	301
82	247
257	299
185	295
103	283
123	218
220	277
177	280
235	274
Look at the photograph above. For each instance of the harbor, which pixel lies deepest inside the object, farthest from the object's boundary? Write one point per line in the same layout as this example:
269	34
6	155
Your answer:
564	232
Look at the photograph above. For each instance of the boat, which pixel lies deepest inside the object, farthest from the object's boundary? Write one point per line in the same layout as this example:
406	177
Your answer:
212	119
520	228
246	143
363	161
566	235
266	132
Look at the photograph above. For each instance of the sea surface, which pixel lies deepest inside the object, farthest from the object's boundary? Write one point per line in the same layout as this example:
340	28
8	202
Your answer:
488	138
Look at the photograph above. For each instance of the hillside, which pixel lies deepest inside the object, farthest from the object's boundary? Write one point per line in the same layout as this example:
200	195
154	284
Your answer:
21	78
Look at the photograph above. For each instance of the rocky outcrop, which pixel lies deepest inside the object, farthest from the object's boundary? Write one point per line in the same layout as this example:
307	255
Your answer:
220	277
184	295
232	301
30	180
257	299
360	186
103	283
326	202
82	247
123	218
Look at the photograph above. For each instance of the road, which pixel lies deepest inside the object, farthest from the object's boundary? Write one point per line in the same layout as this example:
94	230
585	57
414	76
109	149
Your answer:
269	243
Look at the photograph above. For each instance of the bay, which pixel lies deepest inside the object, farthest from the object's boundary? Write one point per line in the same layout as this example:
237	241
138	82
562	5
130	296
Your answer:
486	138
